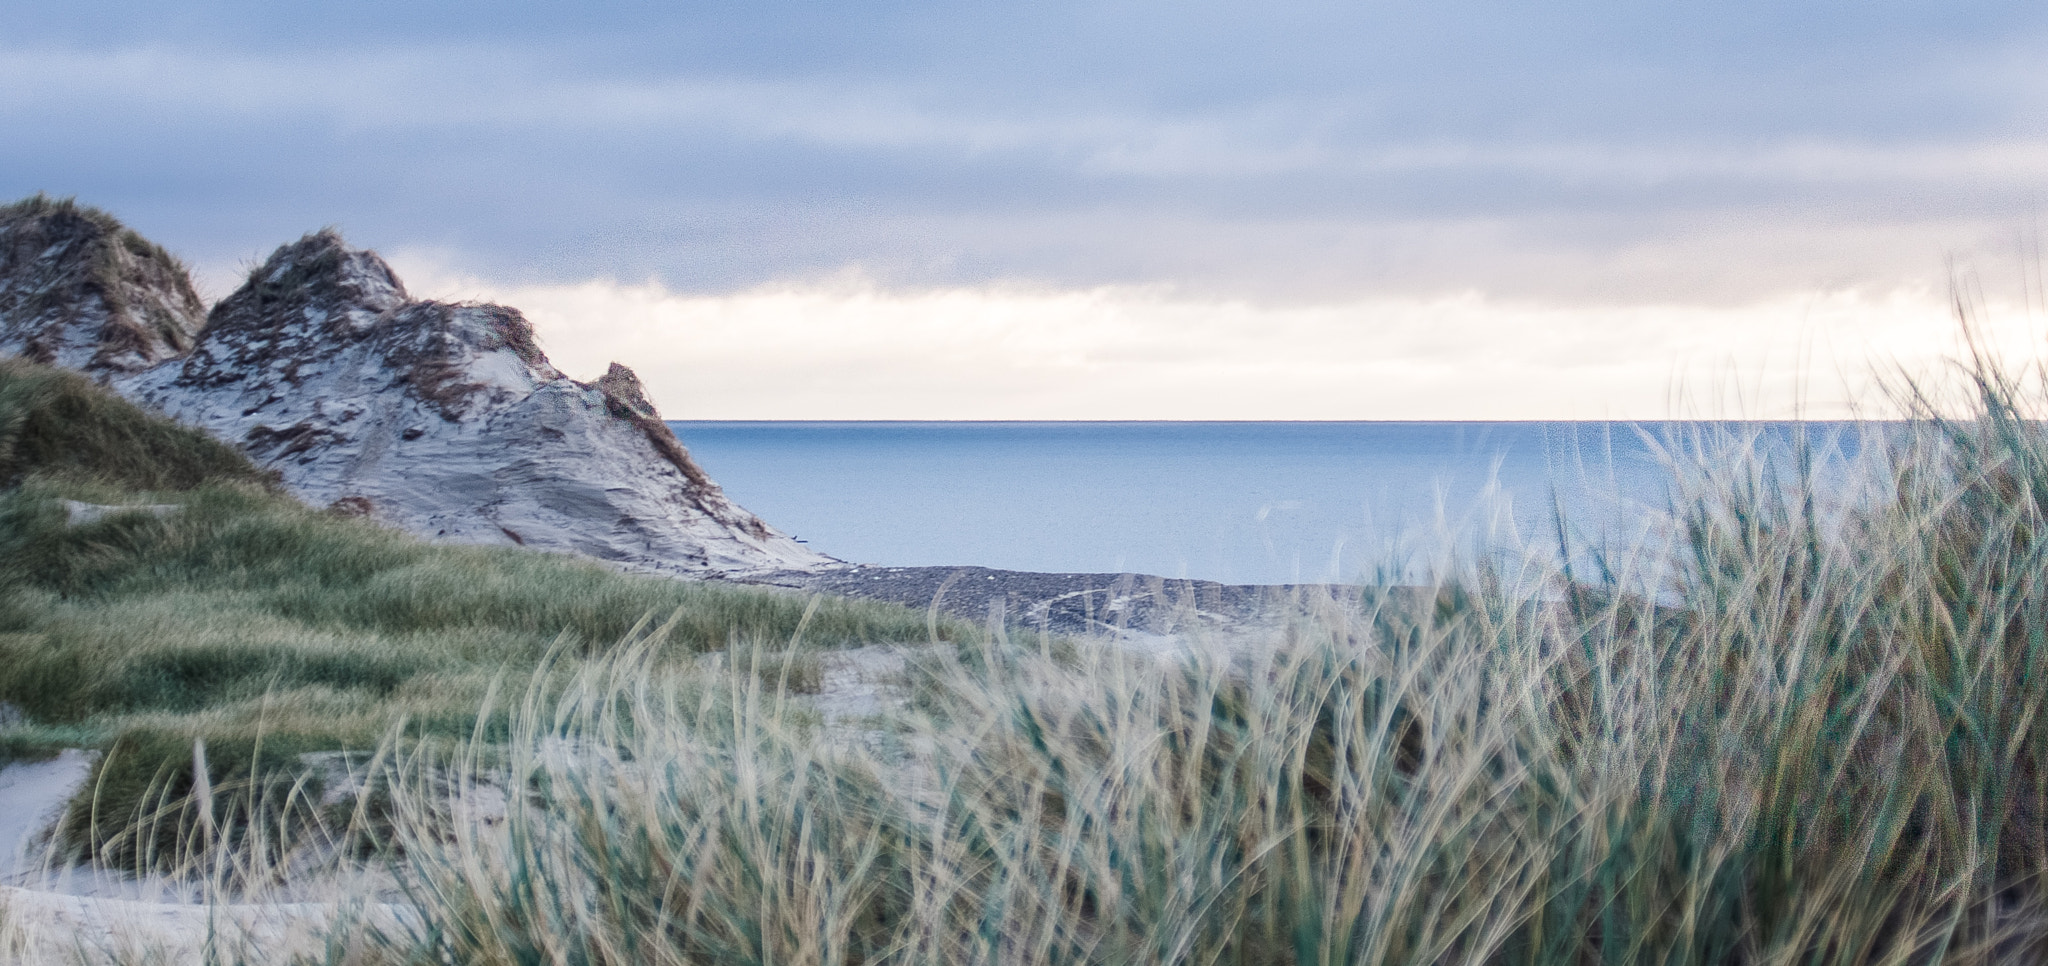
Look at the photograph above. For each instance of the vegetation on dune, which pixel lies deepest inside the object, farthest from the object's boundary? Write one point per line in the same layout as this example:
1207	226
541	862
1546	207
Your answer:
59	426
41	205
146	291
1818	742
1815	739
245	619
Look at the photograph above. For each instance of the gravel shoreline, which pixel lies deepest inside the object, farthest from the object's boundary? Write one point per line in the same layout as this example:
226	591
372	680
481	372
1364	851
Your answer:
1063	603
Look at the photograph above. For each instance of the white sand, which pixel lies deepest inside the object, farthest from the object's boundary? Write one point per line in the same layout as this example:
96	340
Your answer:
32	797
51	927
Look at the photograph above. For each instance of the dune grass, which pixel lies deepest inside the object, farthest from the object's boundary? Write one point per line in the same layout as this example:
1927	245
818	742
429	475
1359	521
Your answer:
1816	739
58	424
247	620
1817	742
242	618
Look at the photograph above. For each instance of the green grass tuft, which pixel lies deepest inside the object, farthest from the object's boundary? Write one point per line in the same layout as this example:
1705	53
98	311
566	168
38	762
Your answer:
159	797
57	424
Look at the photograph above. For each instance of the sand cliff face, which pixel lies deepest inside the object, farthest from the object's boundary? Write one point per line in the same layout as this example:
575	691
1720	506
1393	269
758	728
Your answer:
443	419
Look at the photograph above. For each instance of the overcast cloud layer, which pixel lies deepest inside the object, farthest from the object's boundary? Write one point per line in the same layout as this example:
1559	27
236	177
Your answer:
1158	184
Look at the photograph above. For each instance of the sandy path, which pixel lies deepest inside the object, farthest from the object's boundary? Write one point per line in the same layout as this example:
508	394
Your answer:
32	797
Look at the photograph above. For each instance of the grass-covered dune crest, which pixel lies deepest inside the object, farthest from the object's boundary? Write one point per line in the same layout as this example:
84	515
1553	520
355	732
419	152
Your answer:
80	290
57	424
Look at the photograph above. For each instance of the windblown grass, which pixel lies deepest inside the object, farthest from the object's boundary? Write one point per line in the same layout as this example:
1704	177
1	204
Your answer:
242	618
1816	739
1818	742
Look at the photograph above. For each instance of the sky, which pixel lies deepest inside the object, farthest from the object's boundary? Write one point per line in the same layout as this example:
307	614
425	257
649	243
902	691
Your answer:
1123	209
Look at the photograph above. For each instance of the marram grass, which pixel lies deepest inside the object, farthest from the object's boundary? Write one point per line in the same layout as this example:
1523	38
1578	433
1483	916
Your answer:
1811	738
1817	742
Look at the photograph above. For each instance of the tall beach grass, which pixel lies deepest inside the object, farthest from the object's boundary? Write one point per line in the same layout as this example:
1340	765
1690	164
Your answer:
1817	741
1800	726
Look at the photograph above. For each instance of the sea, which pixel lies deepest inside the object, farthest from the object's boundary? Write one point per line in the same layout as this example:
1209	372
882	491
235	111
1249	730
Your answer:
1235	502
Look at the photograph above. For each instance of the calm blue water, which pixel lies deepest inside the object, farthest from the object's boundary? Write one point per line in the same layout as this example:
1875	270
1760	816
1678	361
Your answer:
1236	502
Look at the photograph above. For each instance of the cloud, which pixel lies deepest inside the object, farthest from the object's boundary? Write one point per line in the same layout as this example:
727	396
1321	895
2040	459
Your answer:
849	349
482	89
532	164
1072	209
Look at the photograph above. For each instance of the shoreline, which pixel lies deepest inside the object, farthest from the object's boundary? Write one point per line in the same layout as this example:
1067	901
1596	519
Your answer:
1063	603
